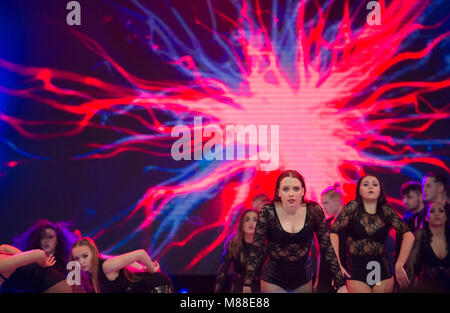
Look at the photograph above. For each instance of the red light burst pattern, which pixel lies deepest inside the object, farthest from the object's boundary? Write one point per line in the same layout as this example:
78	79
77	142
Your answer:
321	79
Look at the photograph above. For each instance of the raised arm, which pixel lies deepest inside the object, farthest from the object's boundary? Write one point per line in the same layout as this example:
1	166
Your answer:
257	251
10	264
116	263
9	249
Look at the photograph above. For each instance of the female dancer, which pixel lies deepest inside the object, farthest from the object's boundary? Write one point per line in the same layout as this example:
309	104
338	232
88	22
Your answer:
429	263
29	272
132	272
366	222
236	252
54	238
288	223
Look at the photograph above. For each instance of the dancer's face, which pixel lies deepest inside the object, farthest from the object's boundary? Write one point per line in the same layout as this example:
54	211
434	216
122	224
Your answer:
291	192
430	188
330	204
49	241
83	255
412	200
369	189
436	214
250	223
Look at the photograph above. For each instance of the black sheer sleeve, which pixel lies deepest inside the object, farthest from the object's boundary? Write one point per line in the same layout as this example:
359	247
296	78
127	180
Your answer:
257	251
321	230
413	265
347	214
397	223
225	263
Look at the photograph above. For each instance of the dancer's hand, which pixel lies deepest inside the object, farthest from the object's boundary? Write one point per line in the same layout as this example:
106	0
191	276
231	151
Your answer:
401	276
246	289
154	268
49	261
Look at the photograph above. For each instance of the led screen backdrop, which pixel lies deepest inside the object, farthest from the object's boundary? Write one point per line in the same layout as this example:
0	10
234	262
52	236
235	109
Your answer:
152	124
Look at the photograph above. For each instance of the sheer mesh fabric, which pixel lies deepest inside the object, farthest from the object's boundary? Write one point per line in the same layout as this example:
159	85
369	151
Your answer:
413	265
239	266
291	251
370	238
423	262
227	259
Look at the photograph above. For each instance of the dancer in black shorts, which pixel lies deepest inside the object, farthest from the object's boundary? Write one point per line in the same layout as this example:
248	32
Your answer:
366	222
288	224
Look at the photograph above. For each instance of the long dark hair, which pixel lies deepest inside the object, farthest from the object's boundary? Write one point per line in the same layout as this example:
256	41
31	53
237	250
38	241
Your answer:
381	201
288	173
31	239
425	227
237	240
446	211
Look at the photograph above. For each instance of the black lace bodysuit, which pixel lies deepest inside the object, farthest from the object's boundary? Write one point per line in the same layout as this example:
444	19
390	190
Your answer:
289	248
366	236
367	233
239	264
430	273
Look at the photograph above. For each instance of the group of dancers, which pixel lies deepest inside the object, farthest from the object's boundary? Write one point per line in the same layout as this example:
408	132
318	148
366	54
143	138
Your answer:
286	244
37	262
355	251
